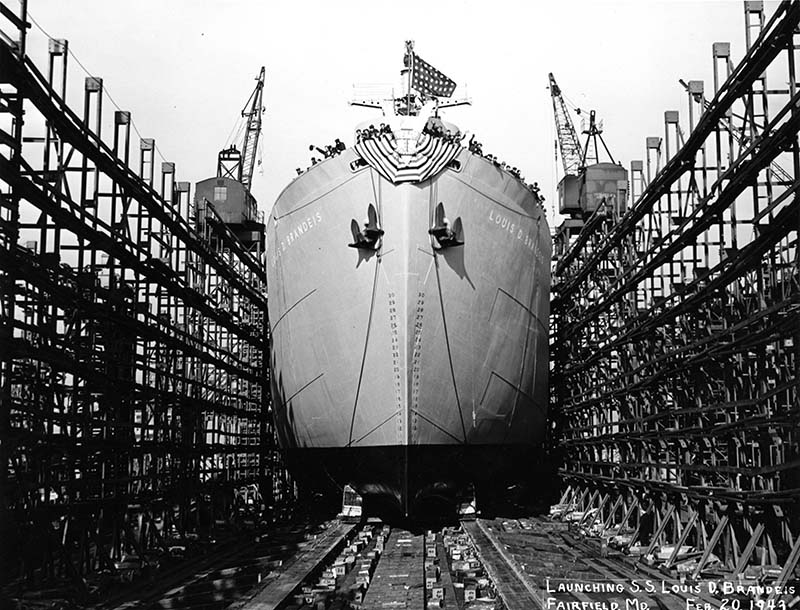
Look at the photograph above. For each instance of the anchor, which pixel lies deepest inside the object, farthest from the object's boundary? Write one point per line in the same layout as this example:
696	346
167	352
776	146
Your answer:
446	236
368	237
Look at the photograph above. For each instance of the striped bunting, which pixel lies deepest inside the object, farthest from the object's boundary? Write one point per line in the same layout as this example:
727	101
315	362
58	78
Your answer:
431	156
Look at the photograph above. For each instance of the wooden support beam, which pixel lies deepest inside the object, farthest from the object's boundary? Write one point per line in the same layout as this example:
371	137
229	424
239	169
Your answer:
741	564
715	537
660	530
594	517
786	572
635	534
681	539
612	512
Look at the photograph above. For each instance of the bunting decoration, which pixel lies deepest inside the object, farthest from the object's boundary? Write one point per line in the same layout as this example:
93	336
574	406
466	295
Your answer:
431	156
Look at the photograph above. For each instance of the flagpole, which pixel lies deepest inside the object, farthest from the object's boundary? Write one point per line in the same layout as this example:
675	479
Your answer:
410	50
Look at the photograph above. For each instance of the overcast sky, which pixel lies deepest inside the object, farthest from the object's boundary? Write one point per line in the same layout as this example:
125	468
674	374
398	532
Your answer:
185	69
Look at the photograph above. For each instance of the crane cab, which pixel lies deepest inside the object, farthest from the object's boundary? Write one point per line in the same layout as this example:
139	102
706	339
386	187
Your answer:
226	201
599	186
223	204
230	199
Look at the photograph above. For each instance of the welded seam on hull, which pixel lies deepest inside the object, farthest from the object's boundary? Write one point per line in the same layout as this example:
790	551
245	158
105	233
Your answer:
316	198
283	315
490	198
437	426
449	353
364	355
520	303
376	195
388	419
434	191
288	400
533	300
501	378
522	369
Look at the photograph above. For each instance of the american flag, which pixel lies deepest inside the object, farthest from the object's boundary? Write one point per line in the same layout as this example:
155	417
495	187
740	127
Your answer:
428	80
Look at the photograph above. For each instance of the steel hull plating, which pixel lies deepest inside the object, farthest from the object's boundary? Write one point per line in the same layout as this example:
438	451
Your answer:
409	350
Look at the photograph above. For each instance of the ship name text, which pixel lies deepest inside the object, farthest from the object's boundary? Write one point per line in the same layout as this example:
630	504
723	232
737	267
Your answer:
296	232
514	230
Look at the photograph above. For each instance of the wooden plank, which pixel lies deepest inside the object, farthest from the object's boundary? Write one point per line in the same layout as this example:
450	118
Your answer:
276	591
511	584
398	581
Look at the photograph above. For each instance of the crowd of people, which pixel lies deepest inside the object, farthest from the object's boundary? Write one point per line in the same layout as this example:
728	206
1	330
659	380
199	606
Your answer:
372	132
438	130
331	150
476	148
432	127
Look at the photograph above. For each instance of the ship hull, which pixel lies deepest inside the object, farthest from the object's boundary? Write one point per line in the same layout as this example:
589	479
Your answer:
425	480
409	368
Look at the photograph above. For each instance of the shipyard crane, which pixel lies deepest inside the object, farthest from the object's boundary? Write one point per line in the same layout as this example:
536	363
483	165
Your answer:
593	132
253	131
584	186
236	164
572	156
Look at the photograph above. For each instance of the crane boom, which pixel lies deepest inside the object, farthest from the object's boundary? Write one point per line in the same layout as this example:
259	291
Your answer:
252	112
568	143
